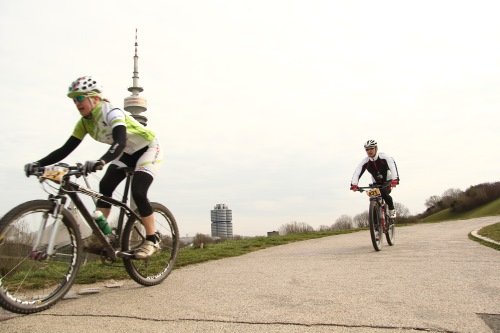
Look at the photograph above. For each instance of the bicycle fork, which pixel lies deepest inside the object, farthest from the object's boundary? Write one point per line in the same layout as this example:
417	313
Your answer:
383	216
50	231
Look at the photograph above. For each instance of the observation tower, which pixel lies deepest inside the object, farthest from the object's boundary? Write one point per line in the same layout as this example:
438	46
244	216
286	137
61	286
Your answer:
136	104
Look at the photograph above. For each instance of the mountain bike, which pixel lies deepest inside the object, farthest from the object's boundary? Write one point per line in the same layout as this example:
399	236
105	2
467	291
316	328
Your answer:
41	247
379	220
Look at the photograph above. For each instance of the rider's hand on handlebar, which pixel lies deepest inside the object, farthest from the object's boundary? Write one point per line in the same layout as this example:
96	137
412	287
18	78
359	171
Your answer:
394	182
30	168
92	166
354	188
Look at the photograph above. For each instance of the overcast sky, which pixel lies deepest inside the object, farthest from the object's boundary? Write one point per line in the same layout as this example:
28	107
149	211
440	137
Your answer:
263	105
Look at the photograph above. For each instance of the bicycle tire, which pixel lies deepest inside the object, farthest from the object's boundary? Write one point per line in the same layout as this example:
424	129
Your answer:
391	231
31	280
375	227
152	271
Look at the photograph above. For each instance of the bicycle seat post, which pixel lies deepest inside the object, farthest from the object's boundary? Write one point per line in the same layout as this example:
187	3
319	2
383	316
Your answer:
129	172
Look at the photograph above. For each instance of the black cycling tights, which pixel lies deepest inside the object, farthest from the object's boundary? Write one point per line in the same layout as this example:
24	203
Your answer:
388	199
140	186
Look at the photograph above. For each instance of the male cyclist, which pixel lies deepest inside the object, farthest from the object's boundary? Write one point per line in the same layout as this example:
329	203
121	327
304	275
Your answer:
131	145
382	167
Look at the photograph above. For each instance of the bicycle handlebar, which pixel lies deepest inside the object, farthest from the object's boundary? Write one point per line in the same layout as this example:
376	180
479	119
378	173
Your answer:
72	170
370	186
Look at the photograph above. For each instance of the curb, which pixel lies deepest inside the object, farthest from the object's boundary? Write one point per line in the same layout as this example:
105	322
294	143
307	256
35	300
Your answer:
486	239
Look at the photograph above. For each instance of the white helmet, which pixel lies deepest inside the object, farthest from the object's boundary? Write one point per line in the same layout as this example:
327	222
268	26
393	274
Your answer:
84	85
371	144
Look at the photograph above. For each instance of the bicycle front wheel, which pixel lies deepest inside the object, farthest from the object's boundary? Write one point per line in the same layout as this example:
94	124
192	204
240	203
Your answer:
391	230
375	226
40	256
154	270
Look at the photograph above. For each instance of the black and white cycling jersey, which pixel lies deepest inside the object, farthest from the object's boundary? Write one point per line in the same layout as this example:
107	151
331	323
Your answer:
382	168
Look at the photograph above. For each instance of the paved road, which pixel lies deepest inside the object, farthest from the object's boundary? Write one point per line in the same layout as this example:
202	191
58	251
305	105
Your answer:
433	280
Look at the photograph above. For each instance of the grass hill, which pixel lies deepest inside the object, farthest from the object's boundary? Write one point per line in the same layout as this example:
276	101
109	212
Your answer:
490	209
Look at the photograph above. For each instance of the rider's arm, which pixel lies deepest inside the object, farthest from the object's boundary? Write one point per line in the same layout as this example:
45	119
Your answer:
61	152
392	166
118	145
359	171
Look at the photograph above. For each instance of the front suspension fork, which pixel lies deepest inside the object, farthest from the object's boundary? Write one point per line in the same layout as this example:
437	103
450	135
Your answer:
36	252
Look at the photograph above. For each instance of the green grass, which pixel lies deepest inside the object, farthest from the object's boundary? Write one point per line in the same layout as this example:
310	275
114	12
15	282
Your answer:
492	232
490	209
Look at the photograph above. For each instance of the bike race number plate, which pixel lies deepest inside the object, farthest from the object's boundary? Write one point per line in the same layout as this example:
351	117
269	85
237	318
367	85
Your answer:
374	192
54	173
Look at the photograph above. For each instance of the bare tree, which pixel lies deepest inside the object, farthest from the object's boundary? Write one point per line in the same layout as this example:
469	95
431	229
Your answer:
450	196
324	228
344	222
452	193
432	201
361	220
295	228
401	210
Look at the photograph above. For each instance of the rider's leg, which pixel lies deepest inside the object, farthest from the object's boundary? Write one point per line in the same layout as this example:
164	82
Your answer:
140	186
145	170
111	179
388	199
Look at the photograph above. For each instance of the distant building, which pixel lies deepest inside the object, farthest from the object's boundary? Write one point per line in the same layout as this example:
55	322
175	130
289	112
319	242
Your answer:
222	225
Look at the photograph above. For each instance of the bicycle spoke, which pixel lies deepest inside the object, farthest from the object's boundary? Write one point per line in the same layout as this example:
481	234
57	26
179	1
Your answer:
155	269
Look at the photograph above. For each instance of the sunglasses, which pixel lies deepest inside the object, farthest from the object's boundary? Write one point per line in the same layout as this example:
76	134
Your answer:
368	149
79	98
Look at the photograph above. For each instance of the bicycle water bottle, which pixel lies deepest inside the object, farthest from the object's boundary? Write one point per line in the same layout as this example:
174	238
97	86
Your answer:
101	222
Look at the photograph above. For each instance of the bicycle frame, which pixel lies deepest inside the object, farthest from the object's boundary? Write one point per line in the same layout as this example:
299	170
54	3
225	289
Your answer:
381	202
71	189
378	218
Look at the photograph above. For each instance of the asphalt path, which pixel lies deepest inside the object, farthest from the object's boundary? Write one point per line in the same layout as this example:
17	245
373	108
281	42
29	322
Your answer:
433	280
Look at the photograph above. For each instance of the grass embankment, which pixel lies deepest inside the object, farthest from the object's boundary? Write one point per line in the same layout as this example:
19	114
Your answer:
492	232
490	209
94	271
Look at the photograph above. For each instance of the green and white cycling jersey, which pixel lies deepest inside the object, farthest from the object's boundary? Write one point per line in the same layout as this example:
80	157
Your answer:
104	118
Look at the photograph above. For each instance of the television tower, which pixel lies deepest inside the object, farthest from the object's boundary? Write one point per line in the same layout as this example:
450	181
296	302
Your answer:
136	104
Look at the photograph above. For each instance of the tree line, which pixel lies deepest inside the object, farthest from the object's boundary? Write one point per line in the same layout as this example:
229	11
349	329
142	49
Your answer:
461	201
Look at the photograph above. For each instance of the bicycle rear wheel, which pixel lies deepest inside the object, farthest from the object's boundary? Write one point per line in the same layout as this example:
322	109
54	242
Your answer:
154	270
32	276
375	227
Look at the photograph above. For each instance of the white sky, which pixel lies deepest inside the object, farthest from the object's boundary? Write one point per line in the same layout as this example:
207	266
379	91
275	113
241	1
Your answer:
263	105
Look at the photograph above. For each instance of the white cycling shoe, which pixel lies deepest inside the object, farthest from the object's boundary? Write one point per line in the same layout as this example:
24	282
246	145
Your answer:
147	249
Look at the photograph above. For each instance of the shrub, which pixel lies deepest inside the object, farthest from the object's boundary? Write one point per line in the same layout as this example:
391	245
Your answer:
344	222
476	196
201	240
